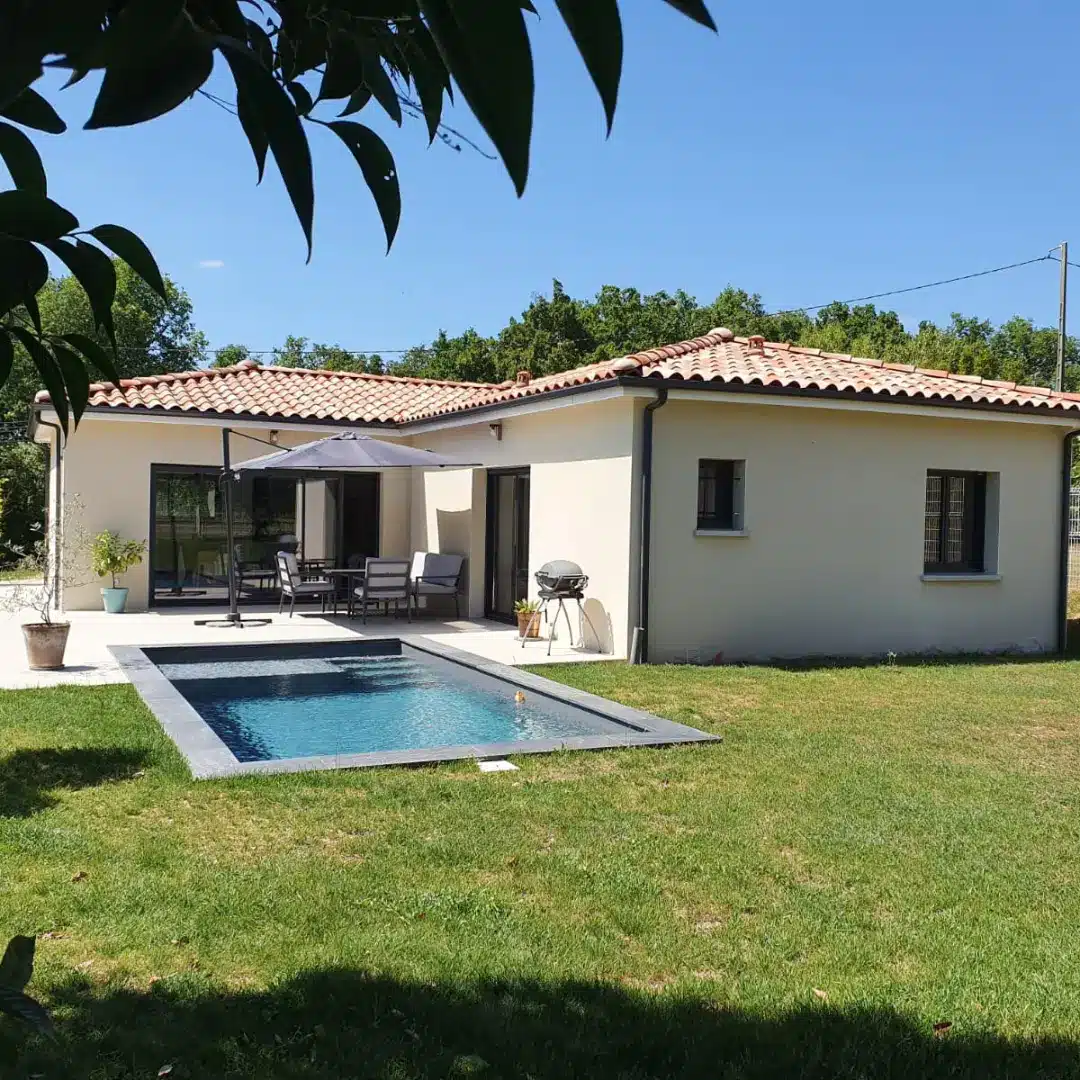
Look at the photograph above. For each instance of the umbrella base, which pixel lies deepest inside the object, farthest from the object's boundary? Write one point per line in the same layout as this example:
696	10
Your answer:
232	621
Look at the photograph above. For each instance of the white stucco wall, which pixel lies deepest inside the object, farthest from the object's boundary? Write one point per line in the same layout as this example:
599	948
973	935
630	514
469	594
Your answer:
832	563
581	474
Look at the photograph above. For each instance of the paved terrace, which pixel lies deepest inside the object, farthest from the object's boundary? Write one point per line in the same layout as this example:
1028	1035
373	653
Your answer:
92	632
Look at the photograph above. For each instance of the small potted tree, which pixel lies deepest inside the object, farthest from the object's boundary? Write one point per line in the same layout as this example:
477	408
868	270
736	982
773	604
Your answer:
46	568
528	618
109	556
45	639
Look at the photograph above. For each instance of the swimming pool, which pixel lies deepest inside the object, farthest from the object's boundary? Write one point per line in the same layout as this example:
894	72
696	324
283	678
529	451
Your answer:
353	703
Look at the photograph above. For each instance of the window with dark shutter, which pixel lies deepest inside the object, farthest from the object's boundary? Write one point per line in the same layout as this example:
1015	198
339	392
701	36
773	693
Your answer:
718	503
954	522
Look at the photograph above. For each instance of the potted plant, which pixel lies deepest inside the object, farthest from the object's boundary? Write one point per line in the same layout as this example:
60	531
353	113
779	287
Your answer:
110	555
528	620
51	566
45	639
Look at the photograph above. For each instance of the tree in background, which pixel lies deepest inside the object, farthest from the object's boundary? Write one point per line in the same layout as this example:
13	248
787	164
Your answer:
559	332
230	356
153	335
297	353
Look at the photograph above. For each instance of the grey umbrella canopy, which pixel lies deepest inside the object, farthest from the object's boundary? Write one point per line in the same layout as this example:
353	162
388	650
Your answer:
350	450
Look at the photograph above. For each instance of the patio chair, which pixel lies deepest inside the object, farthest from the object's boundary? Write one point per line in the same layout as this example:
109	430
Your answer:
251	570
384	580
436	575
293	584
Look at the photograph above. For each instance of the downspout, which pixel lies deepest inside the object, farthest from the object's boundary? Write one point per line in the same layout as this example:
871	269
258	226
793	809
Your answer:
640	654
57	504
1063	550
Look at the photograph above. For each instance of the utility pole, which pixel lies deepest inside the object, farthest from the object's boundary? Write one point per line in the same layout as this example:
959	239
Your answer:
1064	248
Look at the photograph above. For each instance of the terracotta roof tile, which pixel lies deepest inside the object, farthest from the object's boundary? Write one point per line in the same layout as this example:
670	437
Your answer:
722	359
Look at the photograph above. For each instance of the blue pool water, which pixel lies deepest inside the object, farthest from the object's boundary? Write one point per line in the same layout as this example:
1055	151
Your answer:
294	707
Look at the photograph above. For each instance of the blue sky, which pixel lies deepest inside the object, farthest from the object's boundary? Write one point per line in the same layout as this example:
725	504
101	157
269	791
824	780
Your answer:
807	152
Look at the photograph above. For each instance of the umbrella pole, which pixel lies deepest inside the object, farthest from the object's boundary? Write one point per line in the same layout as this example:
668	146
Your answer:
230	554
232	618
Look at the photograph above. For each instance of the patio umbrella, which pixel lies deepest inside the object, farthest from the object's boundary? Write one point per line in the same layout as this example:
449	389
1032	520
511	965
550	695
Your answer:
351	451
348	451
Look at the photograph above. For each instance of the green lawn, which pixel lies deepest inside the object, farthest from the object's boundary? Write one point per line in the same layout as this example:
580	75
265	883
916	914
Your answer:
18	574
870	852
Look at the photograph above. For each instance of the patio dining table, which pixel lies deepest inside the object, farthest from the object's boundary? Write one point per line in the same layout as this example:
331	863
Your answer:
350	576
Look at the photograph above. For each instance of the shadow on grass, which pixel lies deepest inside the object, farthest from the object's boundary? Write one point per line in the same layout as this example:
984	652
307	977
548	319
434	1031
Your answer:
337	1024
29	777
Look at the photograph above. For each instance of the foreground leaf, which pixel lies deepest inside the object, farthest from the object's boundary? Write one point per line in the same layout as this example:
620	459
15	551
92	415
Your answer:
381	87
486	49
377	164
29	215
96	354
696	10
7	356
140	26
76	380
23	273
597	31
22	160
94	271
49	372
154	83
31	110
17	966
273	110
127	246
256	137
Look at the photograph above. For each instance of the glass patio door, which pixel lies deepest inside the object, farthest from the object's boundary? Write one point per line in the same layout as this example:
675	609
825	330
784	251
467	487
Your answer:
188	548
508	542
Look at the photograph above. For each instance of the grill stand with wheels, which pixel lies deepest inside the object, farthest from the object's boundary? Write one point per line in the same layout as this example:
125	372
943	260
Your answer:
560	581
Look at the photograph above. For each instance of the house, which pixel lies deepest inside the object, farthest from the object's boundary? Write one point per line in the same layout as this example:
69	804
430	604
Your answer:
728	495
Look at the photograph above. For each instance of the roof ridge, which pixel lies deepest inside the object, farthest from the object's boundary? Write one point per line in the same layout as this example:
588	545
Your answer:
377	376
244	366
678	348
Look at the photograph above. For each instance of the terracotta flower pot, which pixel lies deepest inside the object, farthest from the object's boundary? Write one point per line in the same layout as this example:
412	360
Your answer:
45	645
528	624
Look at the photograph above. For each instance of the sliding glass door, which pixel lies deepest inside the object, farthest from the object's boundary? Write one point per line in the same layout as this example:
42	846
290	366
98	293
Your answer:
188	554
507	541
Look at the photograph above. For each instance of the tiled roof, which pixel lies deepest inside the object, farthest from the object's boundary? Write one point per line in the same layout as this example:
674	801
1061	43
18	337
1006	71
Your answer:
285	393
718	358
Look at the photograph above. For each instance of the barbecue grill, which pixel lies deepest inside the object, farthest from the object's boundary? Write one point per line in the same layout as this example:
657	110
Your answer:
559	581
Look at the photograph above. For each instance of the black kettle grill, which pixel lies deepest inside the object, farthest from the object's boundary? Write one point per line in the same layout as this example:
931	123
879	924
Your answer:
560	580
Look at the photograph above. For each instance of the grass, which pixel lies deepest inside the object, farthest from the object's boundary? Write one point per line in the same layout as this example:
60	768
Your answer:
870	852
18	574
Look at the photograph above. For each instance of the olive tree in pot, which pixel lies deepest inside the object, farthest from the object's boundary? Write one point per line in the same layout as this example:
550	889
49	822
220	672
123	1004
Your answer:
52	566
110	556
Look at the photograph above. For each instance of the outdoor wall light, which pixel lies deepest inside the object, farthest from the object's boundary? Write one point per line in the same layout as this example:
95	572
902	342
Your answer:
496	431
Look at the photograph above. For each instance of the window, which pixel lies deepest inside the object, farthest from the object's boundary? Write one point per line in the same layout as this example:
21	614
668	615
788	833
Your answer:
954	531
720	496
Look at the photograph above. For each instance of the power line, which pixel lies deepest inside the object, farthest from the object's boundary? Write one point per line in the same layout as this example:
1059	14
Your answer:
917	288
768	314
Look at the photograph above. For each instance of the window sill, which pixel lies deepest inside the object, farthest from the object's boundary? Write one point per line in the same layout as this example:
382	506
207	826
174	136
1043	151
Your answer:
721	532
965	579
